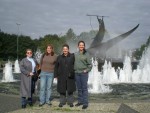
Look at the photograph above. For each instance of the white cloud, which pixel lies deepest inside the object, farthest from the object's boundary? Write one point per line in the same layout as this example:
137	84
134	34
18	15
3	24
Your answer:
57	16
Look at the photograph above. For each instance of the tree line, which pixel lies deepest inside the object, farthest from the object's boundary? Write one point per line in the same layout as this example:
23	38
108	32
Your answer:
138	53
8	43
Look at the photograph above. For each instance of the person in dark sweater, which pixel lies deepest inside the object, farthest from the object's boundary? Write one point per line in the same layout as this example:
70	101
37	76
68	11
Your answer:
47	65
64	72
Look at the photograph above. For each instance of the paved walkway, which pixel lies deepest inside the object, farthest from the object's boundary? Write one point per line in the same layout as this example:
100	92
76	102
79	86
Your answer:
11	104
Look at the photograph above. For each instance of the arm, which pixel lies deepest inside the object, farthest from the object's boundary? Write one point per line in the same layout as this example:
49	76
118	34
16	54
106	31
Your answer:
89	65
72	71
41	60
23	69
37	64
37	68
56	68
73	62
99	20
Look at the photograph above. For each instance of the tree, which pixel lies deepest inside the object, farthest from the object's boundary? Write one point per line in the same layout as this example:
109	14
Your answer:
54	40
8	46
139	52
70	34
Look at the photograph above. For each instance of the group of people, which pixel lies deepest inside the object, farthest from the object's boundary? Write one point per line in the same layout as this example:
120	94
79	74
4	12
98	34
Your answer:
70	70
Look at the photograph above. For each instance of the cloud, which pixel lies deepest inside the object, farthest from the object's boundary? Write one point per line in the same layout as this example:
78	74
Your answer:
38	18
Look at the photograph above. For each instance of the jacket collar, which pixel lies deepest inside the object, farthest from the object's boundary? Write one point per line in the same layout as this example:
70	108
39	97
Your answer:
67	55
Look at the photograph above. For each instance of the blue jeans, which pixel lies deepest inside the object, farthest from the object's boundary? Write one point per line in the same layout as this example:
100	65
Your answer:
82	86
46	80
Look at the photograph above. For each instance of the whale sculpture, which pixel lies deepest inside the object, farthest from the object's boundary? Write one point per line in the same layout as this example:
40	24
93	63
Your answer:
99	48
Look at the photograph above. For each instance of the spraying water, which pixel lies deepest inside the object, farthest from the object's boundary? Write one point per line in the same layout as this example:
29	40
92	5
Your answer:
38	55
95	80
126	75
144	67
7	73
16	68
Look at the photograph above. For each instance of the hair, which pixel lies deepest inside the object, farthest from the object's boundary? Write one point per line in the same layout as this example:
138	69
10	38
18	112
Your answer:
84	51
49	45
65	45
28	50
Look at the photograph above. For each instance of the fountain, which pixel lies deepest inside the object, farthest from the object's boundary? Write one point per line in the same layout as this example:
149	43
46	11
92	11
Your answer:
38	55
16	68
95	80
126	75
7	73
143	71
109	75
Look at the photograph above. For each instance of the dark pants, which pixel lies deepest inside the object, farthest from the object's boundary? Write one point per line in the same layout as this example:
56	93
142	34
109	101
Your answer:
82	86
24	101
66	98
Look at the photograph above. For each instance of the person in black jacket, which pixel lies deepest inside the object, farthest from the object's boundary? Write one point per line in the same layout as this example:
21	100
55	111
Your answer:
64	72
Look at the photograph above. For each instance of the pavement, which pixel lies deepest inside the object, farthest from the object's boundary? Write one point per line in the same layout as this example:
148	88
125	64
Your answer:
11	104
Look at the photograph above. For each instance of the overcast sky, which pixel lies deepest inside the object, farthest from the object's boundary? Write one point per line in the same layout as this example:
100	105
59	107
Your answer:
41	17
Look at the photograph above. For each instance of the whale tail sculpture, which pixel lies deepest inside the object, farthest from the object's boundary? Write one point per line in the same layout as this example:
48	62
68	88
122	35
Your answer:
99	47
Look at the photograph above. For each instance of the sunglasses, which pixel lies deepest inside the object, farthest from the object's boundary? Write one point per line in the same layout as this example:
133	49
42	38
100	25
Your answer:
29	52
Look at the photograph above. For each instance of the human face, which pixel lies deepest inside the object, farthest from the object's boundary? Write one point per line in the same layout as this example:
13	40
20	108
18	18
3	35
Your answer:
49	49
81	46
29	53
65	50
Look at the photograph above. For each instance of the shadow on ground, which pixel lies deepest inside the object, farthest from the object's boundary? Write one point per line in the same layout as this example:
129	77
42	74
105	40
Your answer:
8	103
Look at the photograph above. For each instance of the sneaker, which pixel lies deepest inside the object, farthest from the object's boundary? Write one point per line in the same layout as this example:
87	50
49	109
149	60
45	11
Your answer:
84	107
78	104
60	105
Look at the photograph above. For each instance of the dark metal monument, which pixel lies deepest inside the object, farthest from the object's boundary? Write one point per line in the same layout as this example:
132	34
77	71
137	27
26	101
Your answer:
99	48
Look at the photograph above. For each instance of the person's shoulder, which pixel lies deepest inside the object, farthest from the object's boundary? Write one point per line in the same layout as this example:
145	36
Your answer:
23	60
35	60
59	56
87	53
72	54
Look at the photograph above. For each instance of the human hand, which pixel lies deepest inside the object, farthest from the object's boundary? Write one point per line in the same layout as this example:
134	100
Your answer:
31	74
85	71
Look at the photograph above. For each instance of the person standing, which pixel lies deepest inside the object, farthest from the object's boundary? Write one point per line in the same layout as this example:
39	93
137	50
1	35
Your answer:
82	67
64	72
28	75
47	65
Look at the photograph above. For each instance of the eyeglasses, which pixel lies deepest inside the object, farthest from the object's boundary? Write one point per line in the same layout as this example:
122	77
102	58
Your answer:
29	52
